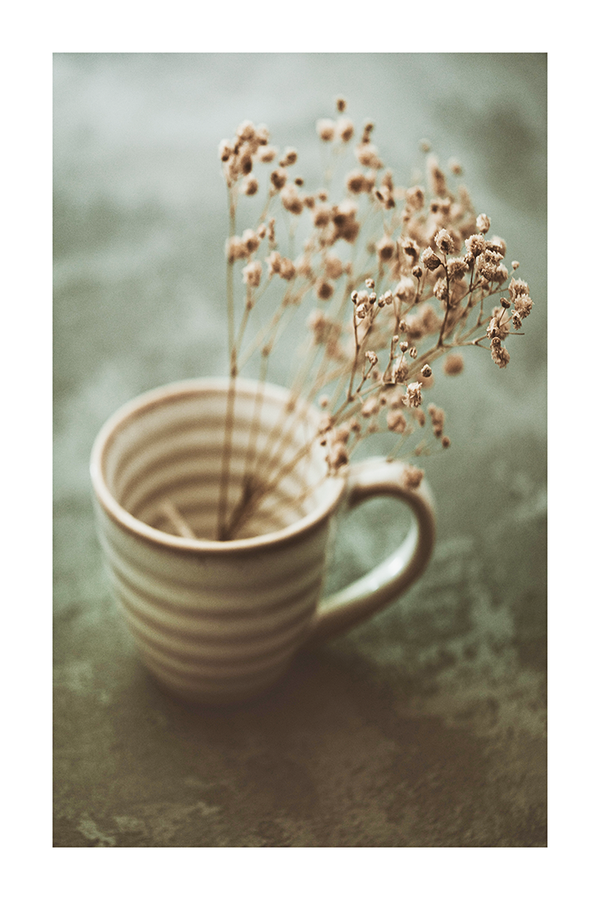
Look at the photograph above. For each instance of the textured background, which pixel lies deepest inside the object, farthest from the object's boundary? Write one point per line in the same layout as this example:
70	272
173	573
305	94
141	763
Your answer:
426	725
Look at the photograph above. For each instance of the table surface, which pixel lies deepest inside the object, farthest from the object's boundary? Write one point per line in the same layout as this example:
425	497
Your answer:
425	726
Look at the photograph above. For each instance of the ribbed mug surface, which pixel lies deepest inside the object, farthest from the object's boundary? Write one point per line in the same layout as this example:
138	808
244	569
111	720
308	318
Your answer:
214	621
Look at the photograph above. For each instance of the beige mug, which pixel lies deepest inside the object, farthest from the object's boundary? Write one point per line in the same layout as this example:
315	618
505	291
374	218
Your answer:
219	621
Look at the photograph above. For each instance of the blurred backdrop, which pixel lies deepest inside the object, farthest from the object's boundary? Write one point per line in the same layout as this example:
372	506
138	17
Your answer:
426	726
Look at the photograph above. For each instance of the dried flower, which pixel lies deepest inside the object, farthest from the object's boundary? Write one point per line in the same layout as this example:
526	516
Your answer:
386	248
430	260
415	197
444	241
252	272
456	268
345	129
266	153
396	421
236	249
225	150
357	182
518	291
244	162
475	244
322	215
344	220
290	157
437	417
413	393
523	305
367	156
338	456
249	185
367	129
501	322
251	240
278	178
400	372
273	261
412	477
370	407
326	129
287	269
437	179
453	364
245	131
290	199
488	263
333	266
497	244
440	289
500	275
324	289
483	223
500	354
385	195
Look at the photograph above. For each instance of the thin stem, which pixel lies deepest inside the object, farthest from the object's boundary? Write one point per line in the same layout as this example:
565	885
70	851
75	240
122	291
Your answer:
230	267
174	517
356	352
249	481
257	496
284	305
443	328
222	534
229	413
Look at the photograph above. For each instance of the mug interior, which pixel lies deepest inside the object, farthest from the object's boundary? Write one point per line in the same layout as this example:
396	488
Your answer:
166	451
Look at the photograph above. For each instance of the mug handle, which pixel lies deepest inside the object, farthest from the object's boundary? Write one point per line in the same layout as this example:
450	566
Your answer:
384	583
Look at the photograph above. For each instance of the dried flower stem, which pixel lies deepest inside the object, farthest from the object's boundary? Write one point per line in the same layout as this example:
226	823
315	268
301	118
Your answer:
173	515
222	532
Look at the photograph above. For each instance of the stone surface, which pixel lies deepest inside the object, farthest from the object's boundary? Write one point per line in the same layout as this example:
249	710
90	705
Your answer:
426	725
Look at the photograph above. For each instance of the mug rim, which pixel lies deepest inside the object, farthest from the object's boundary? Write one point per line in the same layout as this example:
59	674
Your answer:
128	522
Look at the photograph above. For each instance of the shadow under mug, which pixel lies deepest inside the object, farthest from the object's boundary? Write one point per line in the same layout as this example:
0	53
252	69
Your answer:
219	621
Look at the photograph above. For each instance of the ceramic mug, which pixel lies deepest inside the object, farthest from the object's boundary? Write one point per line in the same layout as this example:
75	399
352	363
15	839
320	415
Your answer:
219	621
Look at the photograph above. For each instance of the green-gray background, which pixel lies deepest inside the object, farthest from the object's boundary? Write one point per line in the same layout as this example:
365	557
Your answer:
426	726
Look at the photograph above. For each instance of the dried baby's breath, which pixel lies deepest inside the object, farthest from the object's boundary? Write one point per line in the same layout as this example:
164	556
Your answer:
453	364
412	477
392	279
